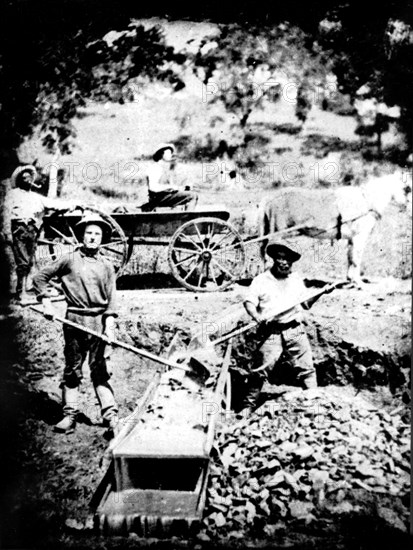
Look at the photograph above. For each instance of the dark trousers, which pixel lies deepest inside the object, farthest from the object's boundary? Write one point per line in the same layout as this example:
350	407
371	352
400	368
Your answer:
169	198
273	341
77	345
24	246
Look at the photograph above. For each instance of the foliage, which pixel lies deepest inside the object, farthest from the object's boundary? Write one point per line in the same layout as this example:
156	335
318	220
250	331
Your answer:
373	51
54	57
245	67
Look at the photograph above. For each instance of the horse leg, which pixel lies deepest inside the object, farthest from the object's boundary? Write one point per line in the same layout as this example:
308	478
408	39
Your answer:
354	256
264	230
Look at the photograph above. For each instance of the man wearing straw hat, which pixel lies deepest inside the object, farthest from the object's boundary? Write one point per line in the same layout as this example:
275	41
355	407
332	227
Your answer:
162	187
268	292
89	284
24	208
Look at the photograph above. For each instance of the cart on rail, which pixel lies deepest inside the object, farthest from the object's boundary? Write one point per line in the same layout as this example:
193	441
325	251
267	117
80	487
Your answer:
205	252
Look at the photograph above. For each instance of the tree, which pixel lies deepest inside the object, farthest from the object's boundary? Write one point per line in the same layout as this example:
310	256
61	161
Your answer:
373	48
54	57
244	67
51	64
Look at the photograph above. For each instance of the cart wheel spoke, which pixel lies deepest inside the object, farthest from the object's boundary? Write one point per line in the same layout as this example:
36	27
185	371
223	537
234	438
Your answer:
190	272
114	250
210	233
73	235
67	240
217	245
180	262
223	268
183	236
46	242
213	272
187	250
201	240
232	246
201	273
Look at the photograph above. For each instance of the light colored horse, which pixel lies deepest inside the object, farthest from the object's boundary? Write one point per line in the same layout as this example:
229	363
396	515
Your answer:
341	213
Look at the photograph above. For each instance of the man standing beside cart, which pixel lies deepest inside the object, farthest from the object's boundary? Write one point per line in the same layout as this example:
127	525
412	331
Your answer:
24	209
268	292
89	285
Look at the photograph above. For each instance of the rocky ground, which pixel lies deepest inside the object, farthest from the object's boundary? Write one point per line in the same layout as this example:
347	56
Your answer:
328	469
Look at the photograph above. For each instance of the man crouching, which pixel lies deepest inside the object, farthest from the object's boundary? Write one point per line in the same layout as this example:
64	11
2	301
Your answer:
268	292
89	285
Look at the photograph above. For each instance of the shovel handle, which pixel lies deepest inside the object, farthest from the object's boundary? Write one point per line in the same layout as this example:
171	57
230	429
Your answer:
253	324
117	343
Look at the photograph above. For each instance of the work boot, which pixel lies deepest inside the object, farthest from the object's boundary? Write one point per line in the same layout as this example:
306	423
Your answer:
113	424
309	382
108	407
70	398
66	426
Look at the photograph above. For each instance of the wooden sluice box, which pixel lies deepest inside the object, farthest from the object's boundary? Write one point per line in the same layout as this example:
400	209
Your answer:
157	479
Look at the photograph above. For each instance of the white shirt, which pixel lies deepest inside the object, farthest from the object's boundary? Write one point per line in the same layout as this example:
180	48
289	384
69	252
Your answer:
271	295
28	205
160	177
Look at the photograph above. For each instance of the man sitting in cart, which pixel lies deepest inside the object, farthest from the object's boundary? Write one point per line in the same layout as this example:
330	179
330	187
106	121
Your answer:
267	293
162	186
89	284
24	209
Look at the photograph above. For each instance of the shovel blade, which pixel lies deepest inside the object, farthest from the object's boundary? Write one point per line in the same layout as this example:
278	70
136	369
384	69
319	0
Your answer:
199	372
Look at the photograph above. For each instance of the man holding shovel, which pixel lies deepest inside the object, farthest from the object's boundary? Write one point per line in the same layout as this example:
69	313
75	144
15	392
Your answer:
269	292
89	284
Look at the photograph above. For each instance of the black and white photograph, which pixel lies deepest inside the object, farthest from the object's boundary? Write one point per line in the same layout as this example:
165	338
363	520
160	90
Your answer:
206	269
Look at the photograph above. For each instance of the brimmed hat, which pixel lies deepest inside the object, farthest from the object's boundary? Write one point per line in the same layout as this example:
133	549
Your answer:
96	220
275	245
20	169
159	151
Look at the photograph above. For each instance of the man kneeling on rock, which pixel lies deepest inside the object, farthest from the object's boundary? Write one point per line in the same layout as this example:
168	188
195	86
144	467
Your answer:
89	284
268	292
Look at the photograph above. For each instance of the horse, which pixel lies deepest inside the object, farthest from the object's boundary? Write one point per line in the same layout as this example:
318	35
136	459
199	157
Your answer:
340	213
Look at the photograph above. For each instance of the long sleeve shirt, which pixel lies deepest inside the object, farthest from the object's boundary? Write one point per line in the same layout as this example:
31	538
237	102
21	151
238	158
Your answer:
88	283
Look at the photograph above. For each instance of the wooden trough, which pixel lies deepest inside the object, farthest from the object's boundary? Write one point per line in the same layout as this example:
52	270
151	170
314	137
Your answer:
159	462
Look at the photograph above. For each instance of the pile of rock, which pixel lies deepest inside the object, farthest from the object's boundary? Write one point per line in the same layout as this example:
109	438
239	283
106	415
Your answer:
307	456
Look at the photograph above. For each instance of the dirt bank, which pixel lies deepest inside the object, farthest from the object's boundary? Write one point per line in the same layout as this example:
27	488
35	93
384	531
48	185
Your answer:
48	479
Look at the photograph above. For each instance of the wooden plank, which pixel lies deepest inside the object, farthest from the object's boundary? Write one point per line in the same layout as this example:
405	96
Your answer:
218	396
141	224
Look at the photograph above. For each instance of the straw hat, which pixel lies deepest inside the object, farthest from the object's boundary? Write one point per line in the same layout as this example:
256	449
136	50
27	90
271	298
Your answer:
94	219
275	245
161	148
25	168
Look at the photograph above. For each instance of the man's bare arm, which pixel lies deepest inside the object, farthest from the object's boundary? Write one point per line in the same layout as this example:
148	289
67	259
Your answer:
252	311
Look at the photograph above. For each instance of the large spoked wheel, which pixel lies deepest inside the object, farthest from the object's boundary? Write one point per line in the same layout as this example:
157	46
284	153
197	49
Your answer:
57	238
206	254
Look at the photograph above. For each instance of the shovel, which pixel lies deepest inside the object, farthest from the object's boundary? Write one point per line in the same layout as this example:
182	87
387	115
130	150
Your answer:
204	343
197	371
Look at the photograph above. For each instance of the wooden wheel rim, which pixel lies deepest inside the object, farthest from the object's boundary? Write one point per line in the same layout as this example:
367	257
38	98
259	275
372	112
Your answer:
214	259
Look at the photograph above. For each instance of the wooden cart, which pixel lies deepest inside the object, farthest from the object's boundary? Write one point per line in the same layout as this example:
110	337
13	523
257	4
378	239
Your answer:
156	481
205	252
